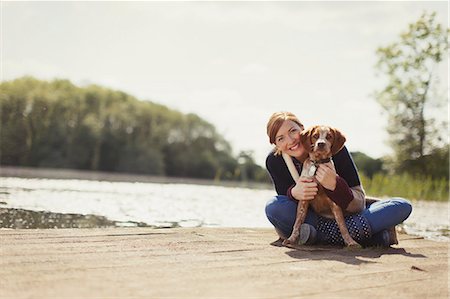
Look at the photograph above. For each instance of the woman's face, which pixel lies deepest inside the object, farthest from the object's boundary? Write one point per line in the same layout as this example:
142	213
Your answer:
287	139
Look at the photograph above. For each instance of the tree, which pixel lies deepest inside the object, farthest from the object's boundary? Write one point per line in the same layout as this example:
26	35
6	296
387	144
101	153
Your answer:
57	124
249	170
366	164
410	66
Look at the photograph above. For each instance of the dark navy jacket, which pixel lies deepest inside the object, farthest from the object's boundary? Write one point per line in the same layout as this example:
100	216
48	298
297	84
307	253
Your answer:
282	179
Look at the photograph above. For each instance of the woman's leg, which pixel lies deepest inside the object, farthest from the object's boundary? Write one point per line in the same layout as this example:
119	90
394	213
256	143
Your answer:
380	216
282	211
384	214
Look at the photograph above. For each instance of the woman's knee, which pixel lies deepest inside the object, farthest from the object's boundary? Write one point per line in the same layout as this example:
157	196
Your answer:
274	207
387	213
404	207
281	211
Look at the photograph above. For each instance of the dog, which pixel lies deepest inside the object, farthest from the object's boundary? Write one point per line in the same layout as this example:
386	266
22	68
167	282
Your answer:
321	143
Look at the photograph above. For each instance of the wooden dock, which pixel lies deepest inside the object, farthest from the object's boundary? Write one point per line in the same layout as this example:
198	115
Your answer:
211	263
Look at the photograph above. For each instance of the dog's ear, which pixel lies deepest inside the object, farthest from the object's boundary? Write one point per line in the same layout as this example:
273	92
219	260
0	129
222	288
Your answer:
305	139
339	140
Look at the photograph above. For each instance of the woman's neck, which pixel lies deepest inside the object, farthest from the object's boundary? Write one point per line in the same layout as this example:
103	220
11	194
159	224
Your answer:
302	158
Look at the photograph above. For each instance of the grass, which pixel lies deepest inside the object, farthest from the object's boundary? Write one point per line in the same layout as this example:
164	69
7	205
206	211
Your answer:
407	186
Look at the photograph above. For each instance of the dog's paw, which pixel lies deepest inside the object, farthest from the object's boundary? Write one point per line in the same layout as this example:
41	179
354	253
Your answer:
290	242
353	246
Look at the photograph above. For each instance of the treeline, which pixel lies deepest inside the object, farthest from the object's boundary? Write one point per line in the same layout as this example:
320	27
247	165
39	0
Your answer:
57	124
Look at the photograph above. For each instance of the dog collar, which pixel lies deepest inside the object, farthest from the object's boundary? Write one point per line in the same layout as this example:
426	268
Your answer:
315	164
321	161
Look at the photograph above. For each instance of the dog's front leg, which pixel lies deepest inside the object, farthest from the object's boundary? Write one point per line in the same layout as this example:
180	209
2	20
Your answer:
339	216
302	209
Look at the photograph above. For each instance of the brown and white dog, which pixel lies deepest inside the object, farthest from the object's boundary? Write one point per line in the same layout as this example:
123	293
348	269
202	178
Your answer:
321	142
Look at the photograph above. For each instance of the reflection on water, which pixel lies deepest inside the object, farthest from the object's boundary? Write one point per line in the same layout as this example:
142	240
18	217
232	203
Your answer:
84	203
20	219
155	204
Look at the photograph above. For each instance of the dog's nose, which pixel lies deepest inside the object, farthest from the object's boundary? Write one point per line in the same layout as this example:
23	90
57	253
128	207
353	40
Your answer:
320	144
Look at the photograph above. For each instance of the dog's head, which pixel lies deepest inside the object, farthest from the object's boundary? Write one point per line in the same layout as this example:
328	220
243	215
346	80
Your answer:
322	142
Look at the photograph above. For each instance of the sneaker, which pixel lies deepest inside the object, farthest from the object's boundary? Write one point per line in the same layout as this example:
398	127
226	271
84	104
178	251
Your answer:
385	238
308	234
392	235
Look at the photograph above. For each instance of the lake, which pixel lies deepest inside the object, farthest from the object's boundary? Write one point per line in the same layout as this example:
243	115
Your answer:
103	199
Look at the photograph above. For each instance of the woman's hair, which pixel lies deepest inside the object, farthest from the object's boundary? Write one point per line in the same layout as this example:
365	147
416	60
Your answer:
276	121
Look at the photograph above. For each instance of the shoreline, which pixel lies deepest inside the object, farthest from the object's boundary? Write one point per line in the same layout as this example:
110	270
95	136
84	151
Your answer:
211	262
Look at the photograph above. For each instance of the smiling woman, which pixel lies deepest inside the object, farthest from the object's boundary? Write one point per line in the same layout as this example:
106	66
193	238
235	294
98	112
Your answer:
342	185
283	130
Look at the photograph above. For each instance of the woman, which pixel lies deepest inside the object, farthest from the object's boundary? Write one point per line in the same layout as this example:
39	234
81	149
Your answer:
341	179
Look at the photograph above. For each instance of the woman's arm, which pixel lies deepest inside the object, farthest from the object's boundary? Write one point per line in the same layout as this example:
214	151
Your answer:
359	200
279	173
346	169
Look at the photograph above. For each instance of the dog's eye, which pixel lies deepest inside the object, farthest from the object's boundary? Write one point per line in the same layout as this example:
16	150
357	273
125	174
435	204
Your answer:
329	136
316	136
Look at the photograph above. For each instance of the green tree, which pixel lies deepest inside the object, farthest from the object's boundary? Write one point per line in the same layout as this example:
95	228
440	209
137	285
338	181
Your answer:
409	65
434	165
57	124
250	171
366	164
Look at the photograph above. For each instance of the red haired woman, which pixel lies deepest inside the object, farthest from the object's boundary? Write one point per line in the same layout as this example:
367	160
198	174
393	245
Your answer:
373	226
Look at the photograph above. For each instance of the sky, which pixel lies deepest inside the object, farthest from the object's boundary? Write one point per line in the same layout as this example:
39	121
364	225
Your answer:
231	63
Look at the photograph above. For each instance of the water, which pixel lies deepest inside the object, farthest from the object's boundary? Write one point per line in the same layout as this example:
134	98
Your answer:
47	203
152	203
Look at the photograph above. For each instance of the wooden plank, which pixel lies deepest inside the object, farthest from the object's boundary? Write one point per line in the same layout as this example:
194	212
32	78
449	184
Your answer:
210	262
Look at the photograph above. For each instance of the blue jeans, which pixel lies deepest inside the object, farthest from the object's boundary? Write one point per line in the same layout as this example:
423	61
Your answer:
281	212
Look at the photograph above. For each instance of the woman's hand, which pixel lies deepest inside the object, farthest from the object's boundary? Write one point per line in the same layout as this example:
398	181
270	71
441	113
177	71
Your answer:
326	176
305	189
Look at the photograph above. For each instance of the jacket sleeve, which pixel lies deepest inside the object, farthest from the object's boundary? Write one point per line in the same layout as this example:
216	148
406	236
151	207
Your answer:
359	200
279	173
353	193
